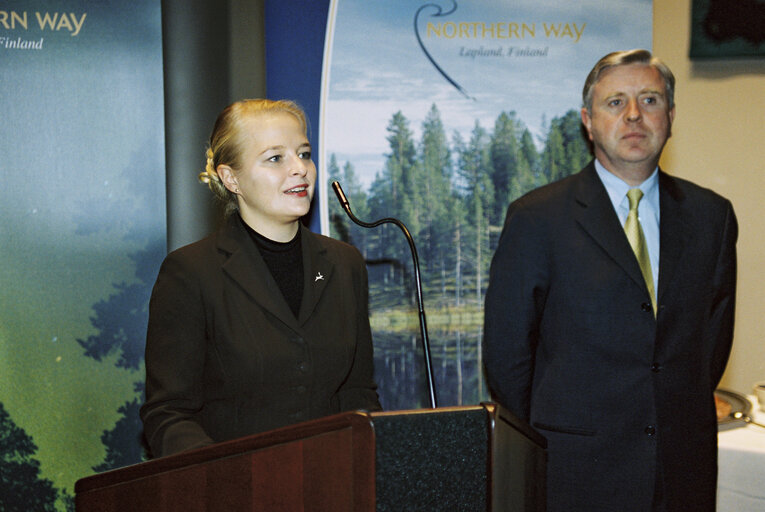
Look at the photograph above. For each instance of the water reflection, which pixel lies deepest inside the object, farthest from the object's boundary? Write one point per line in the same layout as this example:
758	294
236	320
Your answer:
401	375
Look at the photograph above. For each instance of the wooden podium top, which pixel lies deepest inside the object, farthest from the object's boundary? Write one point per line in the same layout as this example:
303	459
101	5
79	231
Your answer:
357	420
355	461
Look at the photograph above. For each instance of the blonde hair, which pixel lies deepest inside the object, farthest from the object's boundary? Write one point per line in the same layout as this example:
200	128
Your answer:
227	142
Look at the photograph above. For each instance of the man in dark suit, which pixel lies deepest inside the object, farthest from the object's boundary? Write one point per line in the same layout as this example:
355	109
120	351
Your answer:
616	372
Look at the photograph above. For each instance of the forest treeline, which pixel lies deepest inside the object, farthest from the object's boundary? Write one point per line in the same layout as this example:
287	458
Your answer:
452	192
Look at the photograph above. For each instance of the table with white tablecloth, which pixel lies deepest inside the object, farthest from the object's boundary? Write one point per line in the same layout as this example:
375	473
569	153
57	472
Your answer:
741	465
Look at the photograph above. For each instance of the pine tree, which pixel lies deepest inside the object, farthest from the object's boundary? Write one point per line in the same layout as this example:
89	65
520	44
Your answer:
504	150
435	197
358	199
338	221
531	155
554	154
575	144
477	188
566	150
391	195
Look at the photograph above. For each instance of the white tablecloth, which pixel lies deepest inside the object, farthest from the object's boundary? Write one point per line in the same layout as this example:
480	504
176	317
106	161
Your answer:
741	466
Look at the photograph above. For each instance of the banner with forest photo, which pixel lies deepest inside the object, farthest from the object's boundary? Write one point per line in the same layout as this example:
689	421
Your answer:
81	239
440	113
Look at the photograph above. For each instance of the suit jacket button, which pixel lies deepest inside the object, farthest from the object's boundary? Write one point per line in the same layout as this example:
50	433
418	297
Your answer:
646	307
303	367
650	430
656	368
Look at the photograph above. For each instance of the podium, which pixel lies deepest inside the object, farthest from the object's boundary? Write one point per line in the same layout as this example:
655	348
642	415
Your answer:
469	458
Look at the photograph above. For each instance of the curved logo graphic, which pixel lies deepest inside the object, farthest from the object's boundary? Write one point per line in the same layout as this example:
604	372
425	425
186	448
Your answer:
439	12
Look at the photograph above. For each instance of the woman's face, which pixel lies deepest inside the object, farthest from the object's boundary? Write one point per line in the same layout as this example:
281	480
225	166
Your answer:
276	182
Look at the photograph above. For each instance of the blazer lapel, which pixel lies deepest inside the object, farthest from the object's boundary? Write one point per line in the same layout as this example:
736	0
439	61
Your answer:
317	272
674	231
246	267
595	213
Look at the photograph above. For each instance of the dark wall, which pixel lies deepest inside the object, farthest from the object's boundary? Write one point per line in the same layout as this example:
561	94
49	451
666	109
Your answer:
213	55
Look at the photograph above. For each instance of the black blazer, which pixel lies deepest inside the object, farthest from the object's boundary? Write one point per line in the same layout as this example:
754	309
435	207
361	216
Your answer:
571	343
225	355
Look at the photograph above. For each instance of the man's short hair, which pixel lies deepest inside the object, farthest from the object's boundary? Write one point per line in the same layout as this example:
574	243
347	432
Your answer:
622	59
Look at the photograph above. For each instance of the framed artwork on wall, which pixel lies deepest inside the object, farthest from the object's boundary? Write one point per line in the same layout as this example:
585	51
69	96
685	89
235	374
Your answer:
724	29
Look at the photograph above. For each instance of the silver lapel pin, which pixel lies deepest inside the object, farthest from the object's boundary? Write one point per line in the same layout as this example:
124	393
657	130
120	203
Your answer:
318	277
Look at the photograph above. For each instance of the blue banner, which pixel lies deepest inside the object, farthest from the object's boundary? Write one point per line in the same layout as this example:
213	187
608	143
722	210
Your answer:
81	238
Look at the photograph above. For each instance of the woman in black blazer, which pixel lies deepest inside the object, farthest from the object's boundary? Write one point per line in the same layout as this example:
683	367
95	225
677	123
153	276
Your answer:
264	323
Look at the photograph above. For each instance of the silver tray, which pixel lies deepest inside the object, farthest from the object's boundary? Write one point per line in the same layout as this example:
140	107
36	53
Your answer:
738	403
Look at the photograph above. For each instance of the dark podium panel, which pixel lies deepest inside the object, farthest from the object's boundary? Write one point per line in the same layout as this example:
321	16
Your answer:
453	458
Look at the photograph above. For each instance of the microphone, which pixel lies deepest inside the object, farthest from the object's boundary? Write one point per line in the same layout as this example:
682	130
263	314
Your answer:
415	261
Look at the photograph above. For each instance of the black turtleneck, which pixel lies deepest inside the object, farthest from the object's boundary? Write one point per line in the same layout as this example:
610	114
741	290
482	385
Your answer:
285	261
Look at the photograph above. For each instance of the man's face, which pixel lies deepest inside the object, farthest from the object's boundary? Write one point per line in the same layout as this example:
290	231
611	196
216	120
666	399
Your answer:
630	120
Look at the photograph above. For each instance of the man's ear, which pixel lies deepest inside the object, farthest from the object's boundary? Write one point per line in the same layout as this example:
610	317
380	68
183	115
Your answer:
228	178
587	122
671	120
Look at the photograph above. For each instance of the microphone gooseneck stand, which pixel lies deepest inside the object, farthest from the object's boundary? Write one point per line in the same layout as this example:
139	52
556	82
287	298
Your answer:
423	325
